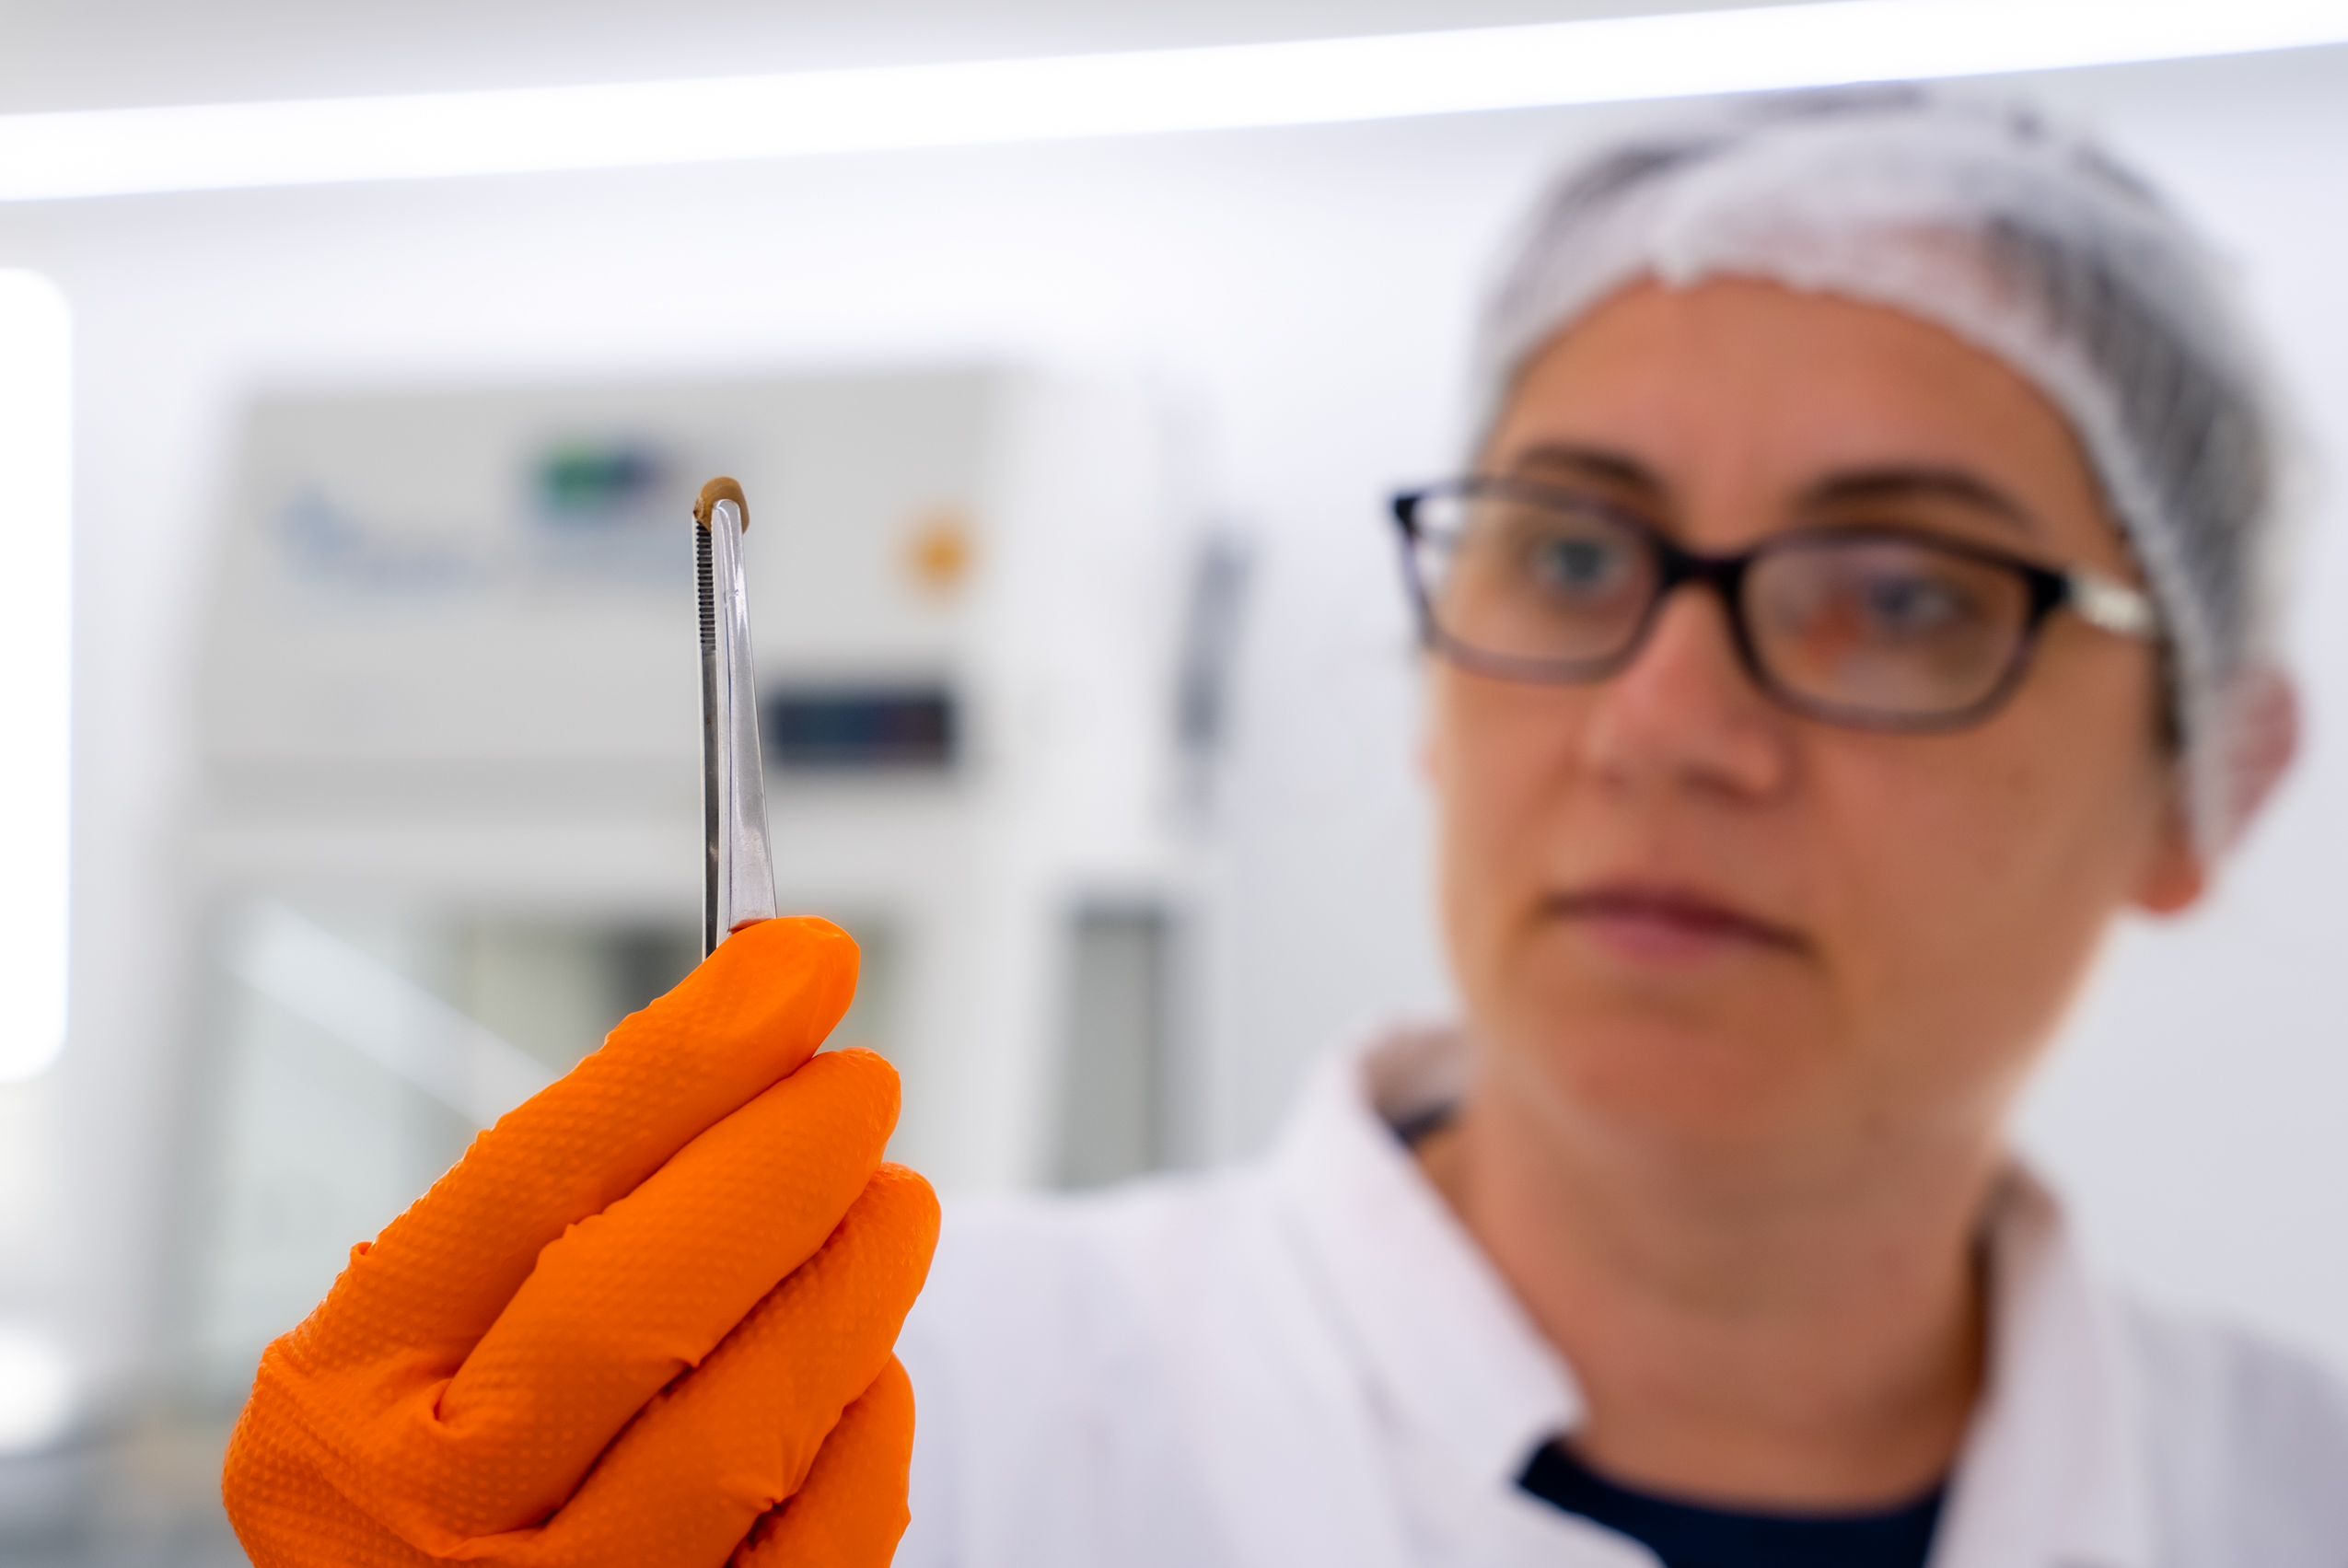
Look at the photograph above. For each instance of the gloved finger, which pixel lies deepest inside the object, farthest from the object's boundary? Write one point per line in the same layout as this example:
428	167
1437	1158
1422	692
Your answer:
744	1419
705	1459
363	1374
440	1273
629	1300
283	1518
851	1512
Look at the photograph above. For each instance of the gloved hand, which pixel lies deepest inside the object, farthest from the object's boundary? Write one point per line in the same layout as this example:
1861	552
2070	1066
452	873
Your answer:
646	1319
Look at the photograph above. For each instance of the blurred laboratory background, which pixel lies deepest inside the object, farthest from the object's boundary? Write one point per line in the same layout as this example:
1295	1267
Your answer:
1088	693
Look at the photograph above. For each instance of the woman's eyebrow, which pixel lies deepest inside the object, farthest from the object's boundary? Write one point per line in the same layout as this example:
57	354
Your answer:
1595	463
1906	484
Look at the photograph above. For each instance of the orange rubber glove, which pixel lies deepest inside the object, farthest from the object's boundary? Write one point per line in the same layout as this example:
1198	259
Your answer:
646	1319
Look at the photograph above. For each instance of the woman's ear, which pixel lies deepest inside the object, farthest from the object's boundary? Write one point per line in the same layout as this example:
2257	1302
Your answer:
2176	877
2259	751
2263	745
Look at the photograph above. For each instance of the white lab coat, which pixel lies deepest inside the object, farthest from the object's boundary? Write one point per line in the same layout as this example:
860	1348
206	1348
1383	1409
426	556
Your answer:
1307	1361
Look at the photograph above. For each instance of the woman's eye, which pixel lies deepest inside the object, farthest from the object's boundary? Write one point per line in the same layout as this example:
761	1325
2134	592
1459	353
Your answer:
1580	566
1913	604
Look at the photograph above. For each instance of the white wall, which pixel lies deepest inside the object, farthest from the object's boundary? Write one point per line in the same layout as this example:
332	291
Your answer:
1307	293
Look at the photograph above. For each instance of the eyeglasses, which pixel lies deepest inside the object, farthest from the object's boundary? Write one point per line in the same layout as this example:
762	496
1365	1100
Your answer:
1876	627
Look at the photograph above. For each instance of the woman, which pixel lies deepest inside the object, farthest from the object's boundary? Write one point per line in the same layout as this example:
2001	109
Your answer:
1854	608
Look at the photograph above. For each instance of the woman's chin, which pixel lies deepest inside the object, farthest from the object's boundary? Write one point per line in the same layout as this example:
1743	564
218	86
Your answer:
1701	1085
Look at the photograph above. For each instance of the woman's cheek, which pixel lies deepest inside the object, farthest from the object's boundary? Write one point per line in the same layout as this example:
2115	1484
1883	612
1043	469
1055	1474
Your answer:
1502	801
1966	899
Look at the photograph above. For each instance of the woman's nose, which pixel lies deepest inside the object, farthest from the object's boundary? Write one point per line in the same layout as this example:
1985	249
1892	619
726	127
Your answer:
1686	714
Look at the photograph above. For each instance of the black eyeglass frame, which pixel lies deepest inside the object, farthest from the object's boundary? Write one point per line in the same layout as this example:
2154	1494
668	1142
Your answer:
2096	599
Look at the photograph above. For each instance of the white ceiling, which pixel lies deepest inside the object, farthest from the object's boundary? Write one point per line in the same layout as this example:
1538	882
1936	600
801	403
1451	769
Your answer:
110	53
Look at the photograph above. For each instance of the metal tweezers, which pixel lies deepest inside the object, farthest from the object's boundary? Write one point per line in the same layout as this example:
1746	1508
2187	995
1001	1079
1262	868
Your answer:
739	878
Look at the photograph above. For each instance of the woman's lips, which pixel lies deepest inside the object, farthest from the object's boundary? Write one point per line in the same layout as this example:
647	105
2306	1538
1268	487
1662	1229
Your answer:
1666	925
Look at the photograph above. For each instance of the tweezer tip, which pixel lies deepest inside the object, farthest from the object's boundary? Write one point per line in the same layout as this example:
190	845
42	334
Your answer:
716	490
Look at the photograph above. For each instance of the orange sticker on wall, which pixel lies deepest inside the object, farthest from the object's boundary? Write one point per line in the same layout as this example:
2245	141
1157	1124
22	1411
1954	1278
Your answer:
939	550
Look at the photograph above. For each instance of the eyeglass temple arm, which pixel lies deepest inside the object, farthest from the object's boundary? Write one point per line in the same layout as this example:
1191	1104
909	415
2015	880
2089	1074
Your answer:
2109	604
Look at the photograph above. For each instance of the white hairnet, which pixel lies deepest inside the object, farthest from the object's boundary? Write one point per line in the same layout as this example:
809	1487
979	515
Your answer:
2024	240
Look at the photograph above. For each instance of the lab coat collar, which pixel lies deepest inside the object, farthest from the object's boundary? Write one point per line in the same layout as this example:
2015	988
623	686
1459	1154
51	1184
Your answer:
1447	1345
2049	1475
2052	1469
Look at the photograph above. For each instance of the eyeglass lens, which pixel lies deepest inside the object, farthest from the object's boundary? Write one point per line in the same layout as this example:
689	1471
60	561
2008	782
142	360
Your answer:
1869	625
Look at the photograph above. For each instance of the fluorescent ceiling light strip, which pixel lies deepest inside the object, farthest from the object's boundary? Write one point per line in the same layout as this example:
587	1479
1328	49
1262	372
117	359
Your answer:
218	146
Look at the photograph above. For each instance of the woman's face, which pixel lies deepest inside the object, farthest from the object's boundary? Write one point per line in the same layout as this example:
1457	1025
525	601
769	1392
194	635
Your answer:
1681	914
